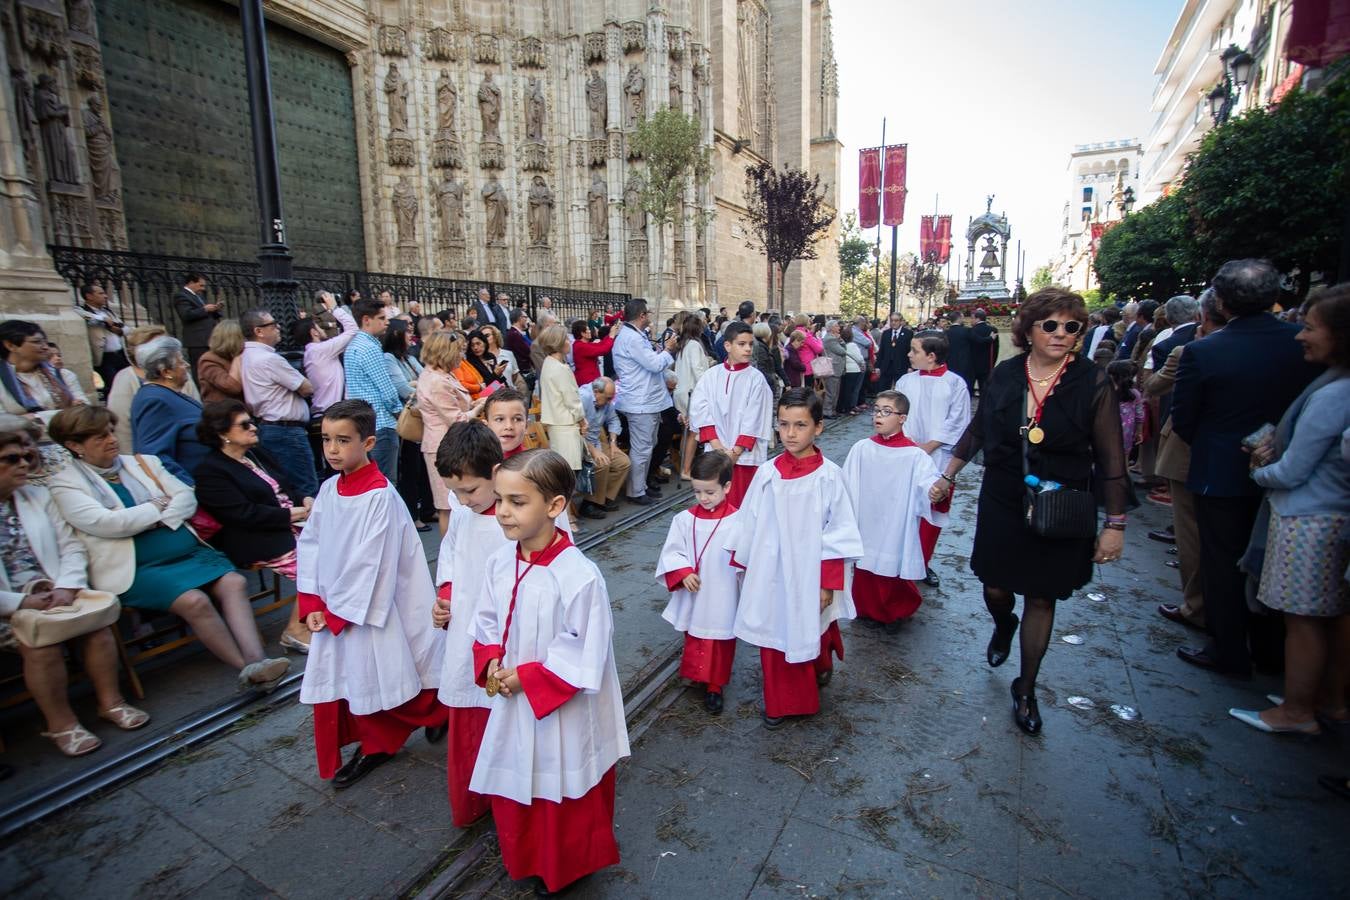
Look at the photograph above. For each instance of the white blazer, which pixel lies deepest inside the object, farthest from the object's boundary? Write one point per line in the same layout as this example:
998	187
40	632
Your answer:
108	534
57	548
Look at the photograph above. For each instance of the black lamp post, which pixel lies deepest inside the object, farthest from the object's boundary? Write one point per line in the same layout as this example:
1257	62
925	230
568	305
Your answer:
1237	71
1126	202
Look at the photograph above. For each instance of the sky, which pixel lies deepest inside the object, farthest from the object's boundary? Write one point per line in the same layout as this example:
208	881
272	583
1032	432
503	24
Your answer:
991	99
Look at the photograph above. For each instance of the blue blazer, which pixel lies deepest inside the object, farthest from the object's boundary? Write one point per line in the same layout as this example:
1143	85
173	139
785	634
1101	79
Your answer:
164	423
1228	385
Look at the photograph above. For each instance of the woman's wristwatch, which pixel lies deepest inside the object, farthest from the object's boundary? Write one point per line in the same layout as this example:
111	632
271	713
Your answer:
948	478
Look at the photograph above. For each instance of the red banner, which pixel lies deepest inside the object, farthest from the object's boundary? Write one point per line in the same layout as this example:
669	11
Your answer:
943	238
869	187
928	238
896	163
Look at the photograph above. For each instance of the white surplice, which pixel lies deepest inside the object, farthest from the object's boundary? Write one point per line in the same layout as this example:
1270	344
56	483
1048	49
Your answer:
734	402
562	619
889	489
469	540
710	613
785	528
362	556
939	410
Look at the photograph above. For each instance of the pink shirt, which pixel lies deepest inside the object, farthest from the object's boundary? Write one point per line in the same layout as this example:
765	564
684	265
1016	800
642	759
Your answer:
443	402
269	385
810	349
323	362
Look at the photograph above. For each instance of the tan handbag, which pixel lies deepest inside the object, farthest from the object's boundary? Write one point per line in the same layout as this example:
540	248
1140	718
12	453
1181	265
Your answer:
410	426
90	611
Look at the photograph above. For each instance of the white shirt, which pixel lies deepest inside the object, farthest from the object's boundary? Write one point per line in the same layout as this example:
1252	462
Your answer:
470	539
939	410
640	373
888	487
704	545
734	403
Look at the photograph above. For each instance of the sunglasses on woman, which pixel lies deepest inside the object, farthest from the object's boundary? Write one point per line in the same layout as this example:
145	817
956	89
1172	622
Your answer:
1050	326
247	425
13	459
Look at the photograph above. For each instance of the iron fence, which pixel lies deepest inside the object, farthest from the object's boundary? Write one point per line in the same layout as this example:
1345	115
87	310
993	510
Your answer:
142	286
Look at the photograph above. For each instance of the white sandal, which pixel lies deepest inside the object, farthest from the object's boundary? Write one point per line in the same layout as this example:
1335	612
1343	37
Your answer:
125	716
75	741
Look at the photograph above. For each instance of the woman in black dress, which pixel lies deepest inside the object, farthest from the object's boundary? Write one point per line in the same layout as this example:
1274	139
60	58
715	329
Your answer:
1067	407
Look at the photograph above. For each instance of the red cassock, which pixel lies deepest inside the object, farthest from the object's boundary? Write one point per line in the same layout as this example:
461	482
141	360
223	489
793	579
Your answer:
882	598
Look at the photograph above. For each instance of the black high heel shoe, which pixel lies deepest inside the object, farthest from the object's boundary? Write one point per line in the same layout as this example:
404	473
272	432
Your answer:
1000	645
1031	722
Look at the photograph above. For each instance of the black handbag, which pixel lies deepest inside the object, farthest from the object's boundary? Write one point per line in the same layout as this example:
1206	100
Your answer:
1062	514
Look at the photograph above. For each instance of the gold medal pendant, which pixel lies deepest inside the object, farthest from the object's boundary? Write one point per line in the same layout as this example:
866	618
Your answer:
493	686
1035	435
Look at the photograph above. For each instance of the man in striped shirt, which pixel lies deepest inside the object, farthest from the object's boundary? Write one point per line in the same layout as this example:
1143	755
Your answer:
368	380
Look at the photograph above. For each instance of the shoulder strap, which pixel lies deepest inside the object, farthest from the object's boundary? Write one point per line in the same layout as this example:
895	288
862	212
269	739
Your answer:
145	467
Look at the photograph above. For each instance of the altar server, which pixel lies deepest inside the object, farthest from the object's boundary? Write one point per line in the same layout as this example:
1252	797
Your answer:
731	409
507	414
365	592
888	477
467	457
704	587
543	651
795	532
939	411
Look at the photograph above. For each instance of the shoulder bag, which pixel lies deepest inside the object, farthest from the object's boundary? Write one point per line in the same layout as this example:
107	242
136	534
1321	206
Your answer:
1062	514
410	426
90	611
822	367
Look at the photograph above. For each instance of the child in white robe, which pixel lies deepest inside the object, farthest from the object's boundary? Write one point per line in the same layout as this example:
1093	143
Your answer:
888	477
507	413
543	648
939	411
731	407
795	532
704	587
467	457
366	595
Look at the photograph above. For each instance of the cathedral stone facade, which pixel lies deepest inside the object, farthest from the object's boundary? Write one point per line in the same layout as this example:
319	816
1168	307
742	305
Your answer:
459	138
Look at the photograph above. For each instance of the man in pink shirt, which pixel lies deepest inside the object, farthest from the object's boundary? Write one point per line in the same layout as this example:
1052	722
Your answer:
275	393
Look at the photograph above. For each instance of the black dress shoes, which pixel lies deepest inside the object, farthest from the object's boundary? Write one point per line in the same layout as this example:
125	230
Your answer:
358	767
611	506
653	489
644	500
824	678
1000	644
436	733
1200	658
712	702
772	722
589	510
932	579
1173	614
1162	537
1030	721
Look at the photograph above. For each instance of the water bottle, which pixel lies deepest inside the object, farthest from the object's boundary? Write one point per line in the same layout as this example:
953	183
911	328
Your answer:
1045	486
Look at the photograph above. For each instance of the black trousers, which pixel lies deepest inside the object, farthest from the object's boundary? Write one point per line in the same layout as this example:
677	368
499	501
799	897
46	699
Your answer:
1225	527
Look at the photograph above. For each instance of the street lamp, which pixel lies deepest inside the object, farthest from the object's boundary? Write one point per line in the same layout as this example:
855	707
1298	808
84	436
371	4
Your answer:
1237	70
1127	202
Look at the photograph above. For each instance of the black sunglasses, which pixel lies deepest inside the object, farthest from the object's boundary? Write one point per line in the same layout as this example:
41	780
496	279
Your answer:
248	424
13	459
1050	326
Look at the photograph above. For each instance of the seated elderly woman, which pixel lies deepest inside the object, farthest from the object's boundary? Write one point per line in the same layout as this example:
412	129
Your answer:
29	384
163	419
128	382
43	565
244	489
131	514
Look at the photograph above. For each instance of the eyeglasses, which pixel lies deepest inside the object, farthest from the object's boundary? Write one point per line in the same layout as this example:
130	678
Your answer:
270	324
885	412
13	459
1050	326
247	424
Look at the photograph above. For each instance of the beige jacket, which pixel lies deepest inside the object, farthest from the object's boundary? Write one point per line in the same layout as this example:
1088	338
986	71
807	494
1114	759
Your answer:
58	550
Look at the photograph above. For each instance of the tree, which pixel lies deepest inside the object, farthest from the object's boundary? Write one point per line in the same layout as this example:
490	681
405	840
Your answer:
853	249
1041	278
1149	254
787	215
671	146
1273	183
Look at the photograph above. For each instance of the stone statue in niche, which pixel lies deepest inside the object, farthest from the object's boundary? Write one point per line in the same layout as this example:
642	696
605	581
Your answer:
633	213
405	211
541	211
597	201
98	141
534	111
676	92
450	206
53	117
396	90
597	104
634	87
490	107
80	15
447	98
498	206
696	94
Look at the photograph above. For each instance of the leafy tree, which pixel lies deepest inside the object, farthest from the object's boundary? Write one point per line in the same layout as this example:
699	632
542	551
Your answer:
1273	183
787	215
853	249
1041	278
1149	253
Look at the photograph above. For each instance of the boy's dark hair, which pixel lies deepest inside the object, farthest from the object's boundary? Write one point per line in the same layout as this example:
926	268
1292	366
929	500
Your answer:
899	400
734	330
1122	372
468	448
546	470
803	398
358	412
713	466
934	342
505	395
365	308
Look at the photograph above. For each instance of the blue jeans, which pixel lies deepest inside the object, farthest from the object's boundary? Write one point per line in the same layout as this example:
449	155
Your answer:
385	453
290	446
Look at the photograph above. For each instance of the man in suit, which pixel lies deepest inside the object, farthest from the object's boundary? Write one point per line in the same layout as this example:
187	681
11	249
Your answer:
491	312
518	341
106	350
1227	386
893	351
198	317
959	347
983	349
1095	335
1143	319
